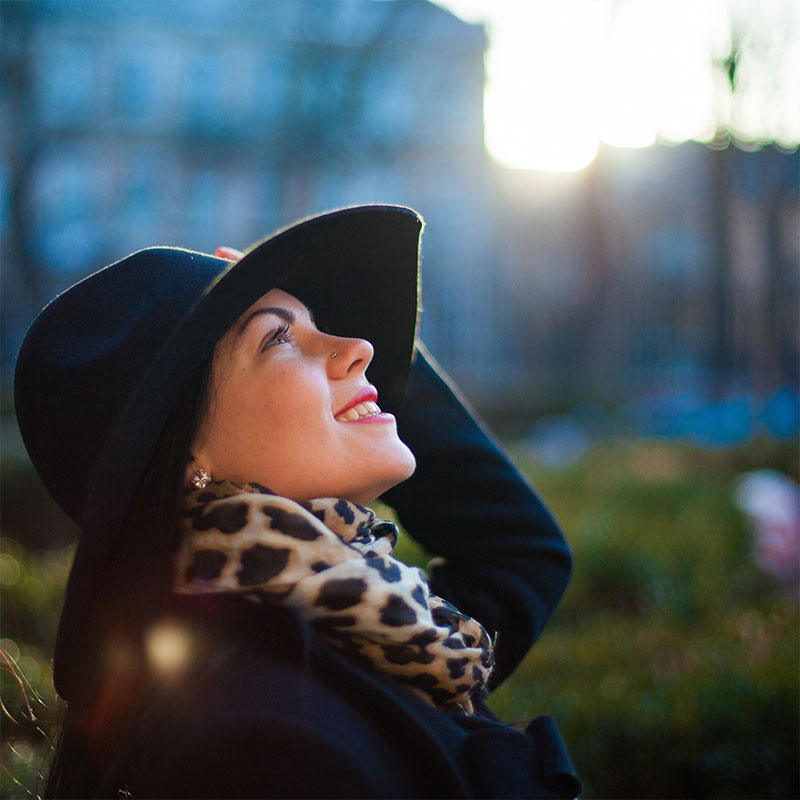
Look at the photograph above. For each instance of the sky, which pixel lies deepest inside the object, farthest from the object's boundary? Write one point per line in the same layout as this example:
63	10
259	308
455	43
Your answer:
564	75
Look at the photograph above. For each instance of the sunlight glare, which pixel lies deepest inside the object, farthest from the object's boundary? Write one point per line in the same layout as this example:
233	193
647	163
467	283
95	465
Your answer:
539	92
562	75
627	114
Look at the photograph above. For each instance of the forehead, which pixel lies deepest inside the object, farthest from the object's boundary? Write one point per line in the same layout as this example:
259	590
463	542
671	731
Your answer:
275	298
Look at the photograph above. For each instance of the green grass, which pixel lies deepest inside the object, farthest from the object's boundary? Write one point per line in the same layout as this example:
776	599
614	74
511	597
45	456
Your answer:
671	665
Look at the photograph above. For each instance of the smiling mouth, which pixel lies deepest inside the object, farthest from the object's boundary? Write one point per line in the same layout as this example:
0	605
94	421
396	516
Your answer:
359	411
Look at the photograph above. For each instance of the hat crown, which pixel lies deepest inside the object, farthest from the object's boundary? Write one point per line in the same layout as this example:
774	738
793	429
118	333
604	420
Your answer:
104	363
87	351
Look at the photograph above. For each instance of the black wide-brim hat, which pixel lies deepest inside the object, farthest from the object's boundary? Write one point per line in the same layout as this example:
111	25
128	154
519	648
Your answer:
103	364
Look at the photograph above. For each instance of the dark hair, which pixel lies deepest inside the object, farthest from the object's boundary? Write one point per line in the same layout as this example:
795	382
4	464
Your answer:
135	591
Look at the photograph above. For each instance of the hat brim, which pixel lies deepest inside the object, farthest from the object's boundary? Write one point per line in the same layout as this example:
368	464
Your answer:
356	268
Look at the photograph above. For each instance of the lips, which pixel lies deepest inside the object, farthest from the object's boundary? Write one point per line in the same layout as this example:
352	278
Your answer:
360	406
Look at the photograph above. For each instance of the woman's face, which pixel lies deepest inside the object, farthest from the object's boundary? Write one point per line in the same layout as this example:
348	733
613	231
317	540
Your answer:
283	411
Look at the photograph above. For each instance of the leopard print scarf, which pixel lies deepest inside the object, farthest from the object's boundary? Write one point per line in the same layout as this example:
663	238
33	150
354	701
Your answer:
331	559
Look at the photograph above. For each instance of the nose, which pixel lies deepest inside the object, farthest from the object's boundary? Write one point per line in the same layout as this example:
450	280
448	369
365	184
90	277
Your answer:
348	356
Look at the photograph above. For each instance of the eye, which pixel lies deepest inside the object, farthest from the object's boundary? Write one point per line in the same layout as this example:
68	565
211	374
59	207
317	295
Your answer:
281	335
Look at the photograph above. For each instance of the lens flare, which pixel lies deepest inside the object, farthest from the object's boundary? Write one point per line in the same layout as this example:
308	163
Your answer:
169	648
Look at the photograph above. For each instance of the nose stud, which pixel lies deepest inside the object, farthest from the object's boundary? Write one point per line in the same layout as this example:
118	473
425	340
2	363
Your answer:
334	354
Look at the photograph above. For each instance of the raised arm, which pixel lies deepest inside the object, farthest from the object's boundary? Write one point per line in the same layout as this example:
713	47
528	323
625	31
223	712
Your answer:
506	562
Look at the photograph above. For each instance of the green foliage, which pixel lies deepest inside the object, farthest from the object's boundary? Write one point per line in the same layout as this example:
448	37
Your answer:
670	666
32	590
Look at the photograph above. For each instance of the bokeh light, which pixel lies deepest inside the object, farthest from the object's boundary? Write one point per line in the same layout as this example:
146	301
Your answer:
169	648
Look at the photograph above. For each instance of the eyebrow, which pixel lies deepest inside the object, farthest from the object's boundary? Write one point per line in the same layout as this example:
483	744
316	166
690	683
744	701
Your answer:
287	316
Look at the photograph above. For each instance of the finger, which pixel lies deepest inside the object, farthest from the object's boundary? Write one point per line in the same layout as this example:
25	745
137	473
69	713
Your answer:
230	253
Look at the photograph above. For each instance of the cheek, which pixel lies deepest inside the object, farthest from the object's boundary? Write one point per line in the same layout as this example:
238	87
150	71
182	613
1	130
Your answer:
289	411
236	419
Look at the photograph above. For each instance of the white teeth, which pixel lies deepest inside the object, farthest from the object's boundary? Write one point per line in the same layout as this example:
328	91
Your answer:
366	409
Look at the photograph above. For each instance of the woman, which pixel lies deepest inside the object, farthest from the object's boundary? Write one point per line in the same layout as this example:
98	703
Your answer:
229	632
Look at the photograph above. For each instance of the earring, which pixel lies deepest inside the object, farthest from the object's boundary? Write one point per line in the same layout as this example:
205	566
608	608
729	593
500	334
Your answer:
200	478
334	354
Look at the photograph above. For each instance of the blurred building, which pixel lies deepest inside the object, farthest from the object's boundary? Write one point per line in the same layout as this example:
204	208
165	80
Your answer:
660	270
207	122
200	123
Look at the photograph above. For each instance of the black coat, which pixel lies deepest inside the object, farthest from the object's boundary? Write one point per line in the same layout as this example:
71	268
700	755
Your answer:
270	710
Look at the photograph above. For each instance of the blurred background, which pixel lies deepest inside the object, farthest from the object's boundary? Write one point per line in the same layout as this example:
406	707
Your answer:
610	271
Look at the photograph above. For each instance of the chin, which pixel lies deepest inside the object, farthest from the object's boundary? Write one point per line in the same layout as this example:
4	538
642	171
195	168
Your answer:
401	469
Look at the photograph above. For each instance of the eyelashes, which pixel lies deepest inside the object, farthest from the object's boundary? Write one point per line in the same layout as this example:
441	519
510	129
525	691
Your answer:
281	335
